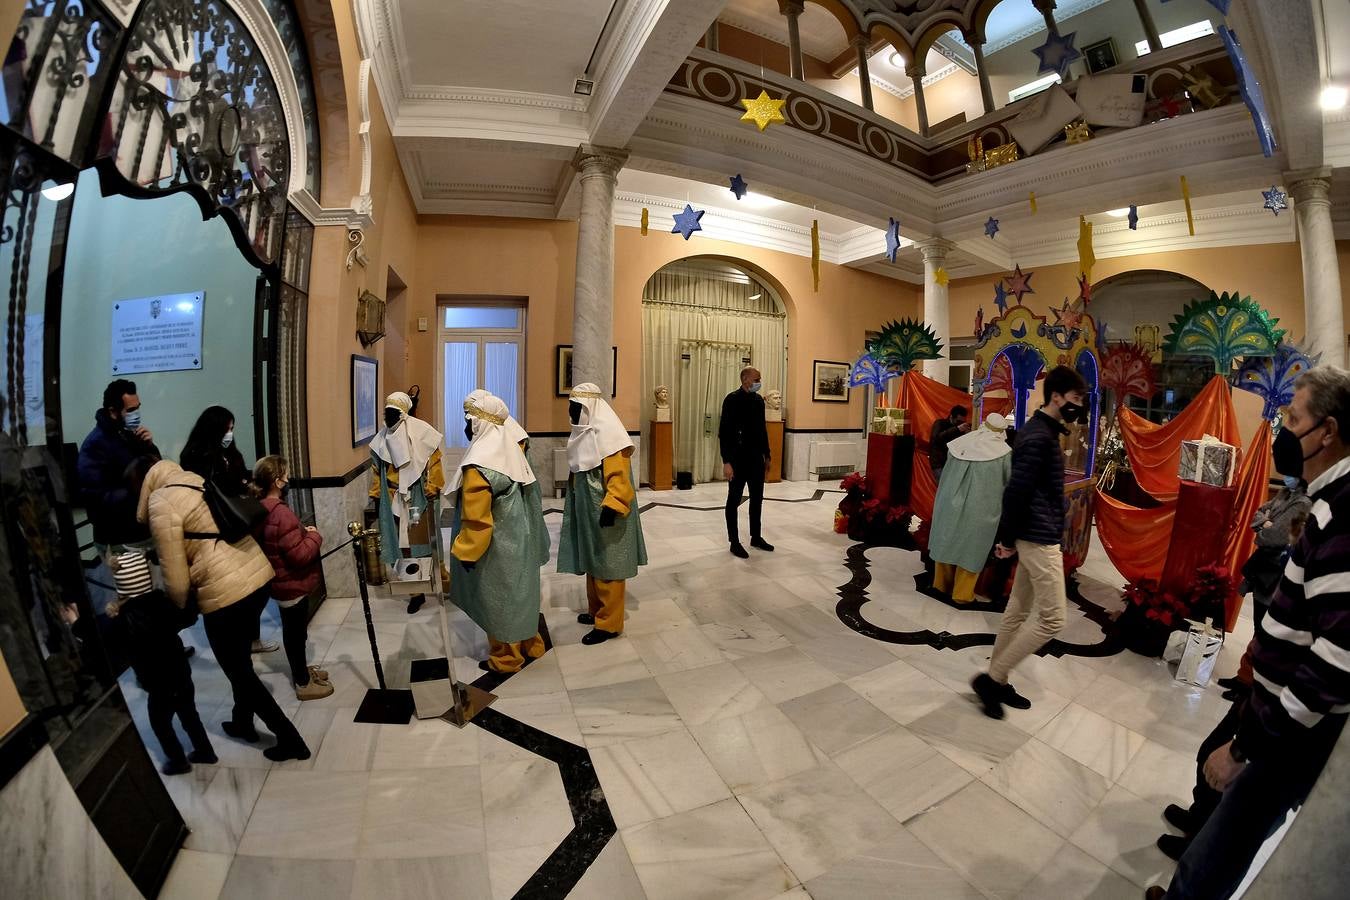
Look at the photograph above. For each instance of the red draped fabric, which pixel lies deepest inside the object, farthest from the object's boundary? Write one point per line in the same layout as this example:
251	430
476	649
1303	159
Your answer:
1135	540
1155	450
1252	488
927	401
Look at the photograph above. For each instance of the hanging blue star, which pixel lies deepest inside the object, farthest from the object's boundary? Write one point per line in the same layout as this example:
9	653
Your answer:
1276	199
738	186
1220	5
892	240
687	222
1134	217
1251	92
1056	53
1000	297
991	227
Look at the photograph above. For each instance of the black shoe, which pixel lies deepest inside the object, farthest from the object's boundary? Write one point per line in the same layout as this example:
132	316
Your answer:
416	603
1233	695
761	544
598	636
246	733
284	751
990	694
1179	818
483	664
205	757
1011	698
739	551
1232	684
1172	845
1156	892
176	767
586	619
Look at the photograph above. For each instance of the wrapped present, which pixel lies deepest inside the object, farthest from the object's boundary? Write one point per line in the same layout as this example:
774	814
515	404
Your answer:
1208	461
1201	652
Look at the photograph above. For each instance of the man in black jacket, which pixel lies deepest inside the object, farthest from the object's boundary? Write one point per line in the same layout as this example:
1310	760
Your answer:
1032	527
943	433
105	486
745	457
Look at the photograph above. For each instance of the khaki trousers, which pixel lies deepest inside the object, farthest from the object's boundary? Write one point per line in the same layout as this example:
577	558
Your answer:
1036	608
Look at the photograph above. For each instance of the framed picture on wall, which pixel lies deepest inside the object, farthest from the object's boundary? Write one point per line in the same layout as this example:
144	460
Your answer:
1100	56
829	381
562	376
365	399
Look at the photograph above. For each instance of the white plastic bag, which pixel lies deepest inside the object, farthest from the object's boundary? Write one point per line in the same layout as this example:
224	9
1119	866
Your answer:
1203	643
1176	645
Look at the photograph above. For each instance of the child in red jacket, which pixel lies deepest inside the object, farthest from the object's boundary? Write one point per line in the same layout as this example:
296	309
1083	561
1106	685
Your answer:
293	551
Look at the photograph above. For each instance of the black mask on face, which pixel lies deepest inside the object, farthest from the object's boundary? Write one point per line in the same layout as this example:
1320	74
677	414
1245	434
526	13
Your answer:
468	430
1288	450
1072	412
574	412
392	417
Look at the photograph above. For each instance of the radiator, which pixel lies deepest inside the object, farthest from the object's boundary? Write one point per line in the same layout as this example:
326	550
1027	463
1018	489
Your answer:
832	459
560	470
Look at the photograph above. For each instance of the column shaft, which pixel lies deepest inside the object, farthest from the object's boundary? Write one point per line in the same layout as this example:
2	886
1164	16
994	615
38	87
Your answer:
916	74
1324	319
935	308
593	299
1150	27
1047	9
711	40
792	9
986	91
861	45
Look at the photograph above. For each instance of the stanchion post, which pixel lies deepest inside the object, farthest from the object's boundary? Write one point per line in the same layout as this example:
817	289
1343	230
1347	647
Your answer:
381	706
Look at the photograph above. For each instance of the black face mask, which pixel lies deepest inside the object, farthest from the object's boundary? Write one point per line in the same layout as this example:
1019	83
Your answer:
574	412
392	417
1288	450
468	430
1072	412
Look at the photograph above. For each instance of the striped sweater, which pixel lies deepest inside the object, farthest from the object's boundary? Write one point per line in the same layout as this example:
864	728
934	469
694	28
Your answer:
1301	652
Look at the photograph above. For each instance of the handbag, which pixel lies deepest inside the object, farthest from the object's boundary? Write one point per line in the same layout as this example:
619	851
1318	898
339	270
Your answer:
236	517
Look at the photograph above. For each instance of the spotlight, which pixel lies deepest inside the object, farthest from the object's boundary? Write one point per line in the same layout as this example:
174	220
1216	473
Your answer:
896	60
58	192
1118	213
1334	97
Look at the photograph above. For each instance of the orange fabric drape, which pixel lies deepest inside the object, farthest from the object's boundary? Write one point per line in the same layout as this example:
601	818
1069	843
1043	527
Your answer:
1155	450
1252	483
1135	540
927	401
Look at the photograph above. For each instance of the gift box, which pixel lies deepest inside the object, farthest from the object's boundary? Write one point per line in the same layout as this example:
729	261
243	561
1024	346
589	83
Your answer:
1208	461
891	420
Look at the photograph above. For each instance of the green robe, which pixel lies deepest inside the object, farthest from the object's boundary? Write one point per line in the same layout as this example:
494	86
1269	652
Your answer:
390	550
584	548
967	510
501	594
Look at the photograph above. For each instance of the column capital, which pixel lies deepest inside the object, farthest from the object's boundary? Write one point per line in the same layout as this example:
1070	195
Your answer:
791	7
1310	185
860	42
1044	6
935	249
916	70
592	160
973	38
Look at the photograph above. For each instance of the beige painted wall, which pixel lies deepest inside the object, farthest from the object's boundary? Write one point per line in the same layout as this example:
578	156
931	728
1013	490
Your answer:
11	707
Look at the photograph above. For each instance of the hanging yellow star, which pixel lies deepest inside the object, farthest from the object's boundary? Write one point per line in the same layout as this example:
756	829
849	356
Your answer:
1086	257
941	277
763	110
644	221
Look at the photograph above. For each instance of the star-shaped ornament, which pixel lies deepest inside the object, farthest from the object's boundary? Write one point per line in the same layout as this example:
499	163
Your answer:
738	186
1068	317
687	222
1084	290
991	227
1056	53
940	277
892	240
763	110
1133	218
1000	297
1276	199
1019	283
1251	92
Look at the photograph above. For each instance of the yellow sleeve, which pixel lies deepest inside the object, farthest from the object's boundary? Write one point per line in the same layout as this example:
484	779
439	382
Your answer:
435	482
391	475
475	524
619	491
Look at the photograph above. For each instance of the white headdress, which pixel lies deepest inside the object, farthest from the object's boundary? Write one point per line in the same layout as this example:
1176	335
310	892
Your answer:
494	446
987	442
408	446
598	434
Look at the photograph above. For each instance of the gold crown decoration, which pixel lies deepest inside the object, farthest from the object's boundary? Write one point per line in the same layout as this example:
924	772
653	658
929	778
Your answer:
472	410
585	395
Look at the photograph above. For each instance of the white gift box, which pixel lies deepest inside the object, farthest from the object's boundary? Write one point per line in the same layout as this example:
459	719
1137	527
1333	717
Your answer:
1203	643
1208	461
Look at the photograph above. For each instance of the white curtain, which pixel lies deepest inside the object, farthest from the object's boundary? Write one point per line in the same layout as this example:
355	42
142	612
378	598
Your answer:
705	371
501	371
461	379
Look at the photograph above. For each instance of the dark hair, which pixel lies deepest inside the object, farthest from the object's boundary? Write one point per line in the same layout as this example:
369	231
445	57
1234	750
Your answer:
959	411
113	393
202	452
1062	380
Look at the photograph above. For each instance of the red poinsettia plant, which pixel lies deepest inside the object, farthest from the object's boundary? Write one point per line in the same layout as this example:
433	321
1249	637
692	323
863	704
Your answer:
863	513
1156	604
1208	593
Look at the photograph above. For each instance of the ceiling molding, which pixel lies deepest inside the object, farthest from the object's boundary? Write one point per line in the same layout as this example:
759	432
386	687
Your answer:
452	94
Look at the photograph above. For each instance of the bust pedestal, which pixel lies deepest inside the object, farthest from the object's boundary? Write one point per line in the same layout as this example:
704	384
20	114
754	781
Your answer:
662	455
662	415
775	430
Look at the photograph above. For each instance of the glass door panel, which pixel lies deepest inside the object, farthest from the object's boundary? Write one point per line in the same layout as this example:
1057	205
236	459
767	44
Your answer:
501	371
460	362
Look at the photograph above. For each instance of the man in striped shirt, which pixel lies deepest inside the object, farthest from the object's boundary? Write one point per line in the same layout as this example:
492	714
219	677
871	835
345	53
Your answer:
1288	727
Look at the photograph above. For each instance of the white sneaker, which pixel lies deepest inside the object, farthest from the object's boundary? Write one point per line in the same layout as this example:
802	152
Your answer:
265	647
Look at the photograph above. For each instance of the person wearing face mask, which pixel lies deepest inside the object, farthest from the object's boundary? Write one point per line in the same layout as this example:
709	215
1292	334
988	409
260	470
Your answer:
106	458
744	442
601	534
1032	526
500	538
405	479
1287	726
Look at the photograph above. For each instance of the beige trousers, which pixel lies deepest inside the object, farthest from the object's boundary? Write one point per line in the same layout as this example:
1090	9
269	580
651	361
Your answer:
1035	611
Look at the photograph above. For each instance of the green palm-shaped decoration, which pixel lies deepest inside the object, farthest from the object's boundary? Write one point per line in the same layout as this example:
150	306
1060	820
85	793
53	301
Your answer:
901	344
1225	327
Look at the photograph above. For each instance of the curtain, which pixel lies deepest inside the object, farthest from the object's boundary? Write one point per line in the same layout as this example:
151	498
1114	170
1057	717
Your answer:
927	401
461	379
1252	483
501	372
1155	450
698	405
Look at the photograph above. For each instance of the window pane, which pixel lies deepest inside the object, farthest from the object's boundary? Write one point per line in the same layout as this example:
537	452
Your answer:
482	317
501	372
461	379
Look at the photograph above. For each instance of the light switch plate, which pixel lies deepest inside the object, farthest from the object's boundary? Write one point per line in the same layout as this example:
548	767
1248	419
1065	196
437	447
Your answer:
421	323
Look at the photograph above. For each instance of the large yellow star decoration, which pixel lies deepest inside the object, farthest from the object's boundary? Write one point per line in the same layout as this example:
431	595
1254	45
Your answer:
941	277
763	110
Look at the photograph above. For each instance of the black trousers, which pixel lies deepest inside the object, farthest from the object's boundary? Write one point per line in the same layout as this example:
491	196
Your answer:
747	473
294	634
164	672
230	632
1204	799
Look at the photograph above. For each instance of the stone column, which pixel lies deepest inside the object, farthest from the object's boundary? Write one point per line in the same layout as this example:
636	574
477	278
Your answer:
711	40
593	300
862	45
1047	9
1324	321
986	92
935	311
1150	27
793	10
916	73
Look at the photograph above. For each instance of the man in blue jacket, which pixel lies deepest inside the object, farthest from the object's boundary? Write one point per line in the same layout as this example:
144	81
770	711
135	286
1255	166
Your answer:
1032	527
105	487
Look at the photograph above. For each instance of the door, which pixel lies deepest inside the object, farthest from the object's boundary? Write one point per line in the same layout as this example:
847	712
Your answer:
482	347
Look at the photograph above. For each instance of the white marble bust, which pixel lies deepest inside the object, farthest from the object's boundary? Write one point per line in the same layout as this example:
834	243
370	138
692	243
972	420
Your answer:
661	396
773	406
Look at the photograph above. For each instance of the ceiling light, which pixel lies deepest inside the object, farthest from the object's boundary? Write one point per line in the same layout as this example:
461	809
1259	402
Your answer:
1118	213
1334	97
58	192
756	296
895	59
759	201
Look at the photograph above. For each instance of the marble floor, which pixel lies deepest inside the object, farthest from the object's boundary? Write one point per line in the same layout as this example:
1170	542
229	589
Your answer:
748	745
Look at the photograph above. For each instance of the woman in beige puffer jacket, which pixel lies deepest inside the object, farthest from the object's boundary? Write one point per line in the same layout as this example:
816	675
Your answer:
230	583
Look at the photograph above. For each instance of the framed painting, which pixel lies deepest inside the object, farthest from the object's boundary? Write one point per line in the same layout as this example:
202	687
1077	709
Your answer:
829	381
365	399
1100	56
562	375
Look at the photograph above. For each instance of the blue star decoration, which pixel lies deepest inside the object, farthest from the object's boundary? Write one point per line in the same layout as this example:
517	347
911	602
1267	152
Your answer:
1134	217
1276	199
991	227
1220	5
738	186
687	222
1056	53
892	240
1251	92
1000	297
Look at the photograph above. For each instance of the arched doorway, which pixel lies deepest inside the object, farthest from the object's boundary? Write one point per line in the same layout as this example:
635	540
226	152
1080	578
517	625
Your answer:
703	319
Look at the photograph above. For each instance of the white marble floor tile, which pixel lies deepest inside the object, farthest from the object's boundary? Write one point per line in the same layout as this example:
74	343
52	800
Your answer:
710	607
508	870
898	866
757	748
313	720
744	636
425	744
902	691
349	746
310	815
1059	792
675	649
543	676
818	819
836	718
525	804
611	876
712	692
784	674
216	802
252	877
989	841
196	875
1121	832
416	879
1161	774
967	737
1172	714
710	853
609	663
655	777
902	773
423	812
1093	740
1073	875
649	615
614	713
